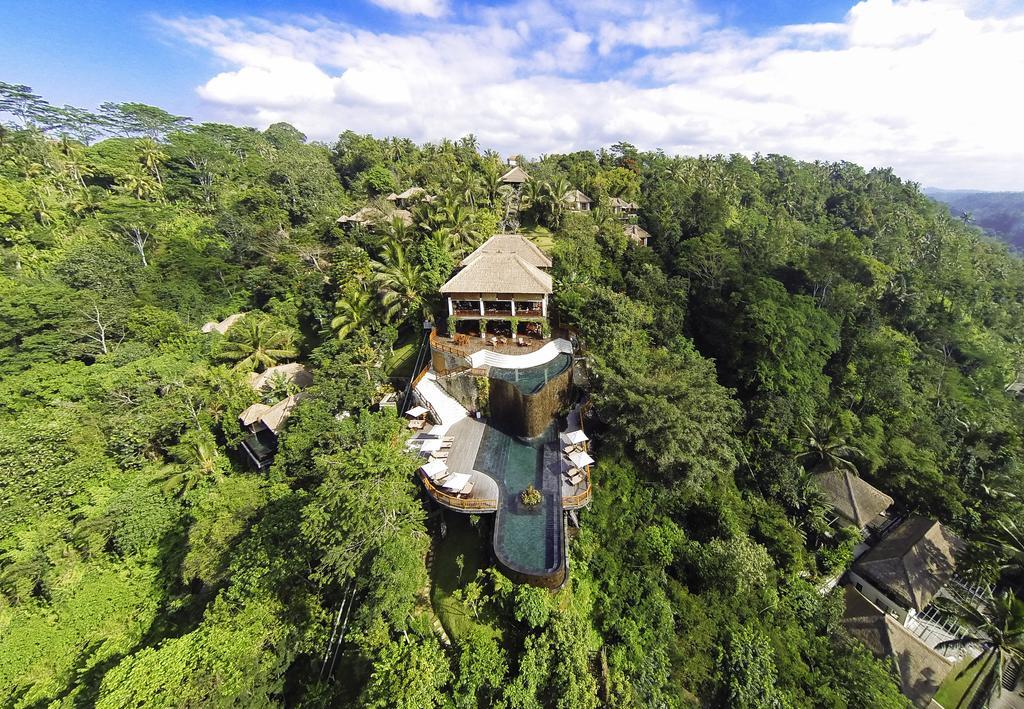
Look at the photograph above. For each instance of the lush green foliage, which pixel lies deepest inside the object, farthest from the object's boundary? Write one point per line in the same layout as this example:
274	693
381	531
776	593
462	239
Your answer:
788	317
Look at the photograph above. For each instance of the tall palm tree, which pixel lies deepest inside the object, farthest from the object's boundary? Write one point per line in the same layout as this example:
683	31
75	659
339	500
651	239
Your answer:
533	198
400	282
996	625
457	222
138	185
355	310
74	161
257	343
467	186
152	157
554	200
826	448
490	184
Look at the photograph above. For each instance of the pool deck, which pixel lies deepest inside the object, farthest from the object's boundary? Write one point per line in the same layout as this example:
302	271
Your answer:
468	434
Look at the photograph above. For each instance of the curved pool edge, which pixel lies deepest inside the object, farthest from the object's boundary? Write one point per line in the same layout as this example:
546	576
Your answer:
487	358
549	528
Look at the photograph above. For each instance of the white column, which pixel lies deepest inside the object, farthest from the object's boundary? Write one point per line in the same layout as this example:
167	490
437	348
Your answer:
481	306
513	301
450	311
544	307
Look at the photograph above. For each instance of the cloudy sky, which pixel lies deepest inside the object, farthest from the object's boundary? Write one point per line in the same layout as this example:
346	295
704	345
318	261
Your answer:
934	89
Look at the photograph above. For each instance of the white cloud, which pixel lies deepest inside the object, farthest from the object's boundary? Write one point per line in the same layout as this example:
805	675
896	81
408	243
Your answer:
428	8
926	87
656	25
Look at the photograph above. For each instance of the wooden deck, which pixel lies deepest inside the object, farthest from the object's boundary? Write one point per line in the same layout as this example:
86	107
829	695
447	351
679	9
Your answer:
461	458
474	344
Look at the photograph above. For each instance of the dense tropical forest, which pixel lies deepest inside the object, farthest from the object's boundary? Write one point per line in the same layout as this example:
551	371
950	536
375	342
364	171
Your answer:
787	314
998	213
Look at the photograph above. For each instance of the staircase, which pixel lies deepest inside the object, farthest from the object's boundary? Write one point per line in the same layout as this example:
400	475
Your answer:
447	410
1011	675
510	224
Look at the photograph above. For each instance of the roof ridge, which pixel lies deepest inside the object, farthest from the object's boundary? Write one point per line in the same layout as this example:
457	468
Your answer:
853	497
532	270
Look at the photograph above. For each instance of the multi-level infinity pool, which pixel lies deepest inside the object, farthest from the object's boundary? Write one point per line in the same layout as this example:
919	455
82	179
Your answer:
528	541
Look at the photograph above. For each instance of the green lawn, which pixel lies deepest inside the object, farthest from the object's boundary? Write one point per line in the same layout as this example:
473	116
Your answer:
541	236
463	540
402	360
951	693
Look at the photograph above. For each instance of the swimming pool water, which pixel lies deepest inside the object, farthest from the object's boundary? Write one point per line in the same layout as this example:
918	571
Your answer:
526	540
532	379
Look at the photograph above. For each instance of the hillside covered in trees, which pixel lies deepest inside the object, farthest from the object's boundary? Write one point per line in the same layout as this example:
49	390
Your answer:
998	213
786	314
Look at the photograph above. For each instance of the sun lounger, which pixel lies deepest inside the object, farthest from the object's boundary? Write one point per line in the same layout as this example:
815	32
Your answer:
466	491
416	424
576	479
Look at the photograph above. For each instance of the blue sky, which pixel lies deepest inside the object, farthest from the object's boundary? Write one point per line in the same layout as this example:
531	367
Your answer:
924	87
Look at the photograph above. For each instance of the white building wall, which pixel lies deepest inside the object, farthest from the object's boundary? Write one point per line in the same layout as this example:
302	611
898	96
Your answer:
881	600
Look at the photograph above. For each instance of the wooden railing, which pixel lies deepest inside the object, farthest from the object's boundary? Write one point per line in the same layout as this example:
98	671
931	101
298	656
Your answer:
581	498
460	503
423	372
444	346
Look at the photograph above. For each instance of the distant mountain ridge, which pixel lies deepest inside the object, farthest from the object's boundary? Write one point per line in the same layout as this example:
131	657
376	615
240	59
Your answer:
999	213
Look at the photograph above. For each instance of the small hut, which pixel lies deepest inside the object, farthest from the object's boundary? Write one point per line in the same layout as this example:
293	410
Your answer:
577	201
515	176
637	234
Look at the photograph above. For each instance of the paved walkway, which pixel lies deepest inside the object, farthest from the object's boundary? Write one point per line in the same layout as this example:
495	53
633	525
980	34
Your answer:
447	409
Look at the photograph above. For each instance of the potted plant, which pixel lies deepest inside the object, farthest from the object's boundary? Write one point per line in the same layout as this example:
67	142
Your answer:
451	326
545	329
530	497
514	324
483	328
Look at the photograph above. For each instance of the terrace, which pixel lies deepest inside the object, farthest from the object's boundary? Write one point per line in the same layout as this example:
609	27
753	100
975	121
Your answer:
467	341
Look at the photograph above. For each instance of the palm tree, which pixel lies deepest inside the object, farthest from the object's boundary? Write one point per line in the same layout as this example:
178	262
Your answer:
137	185
355	310
996	625
490	184
398	230
201	460
533	194
258	342
152	157
466	187
826	448
74	161
278	387
1011	541
400	282
810	504
554	199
